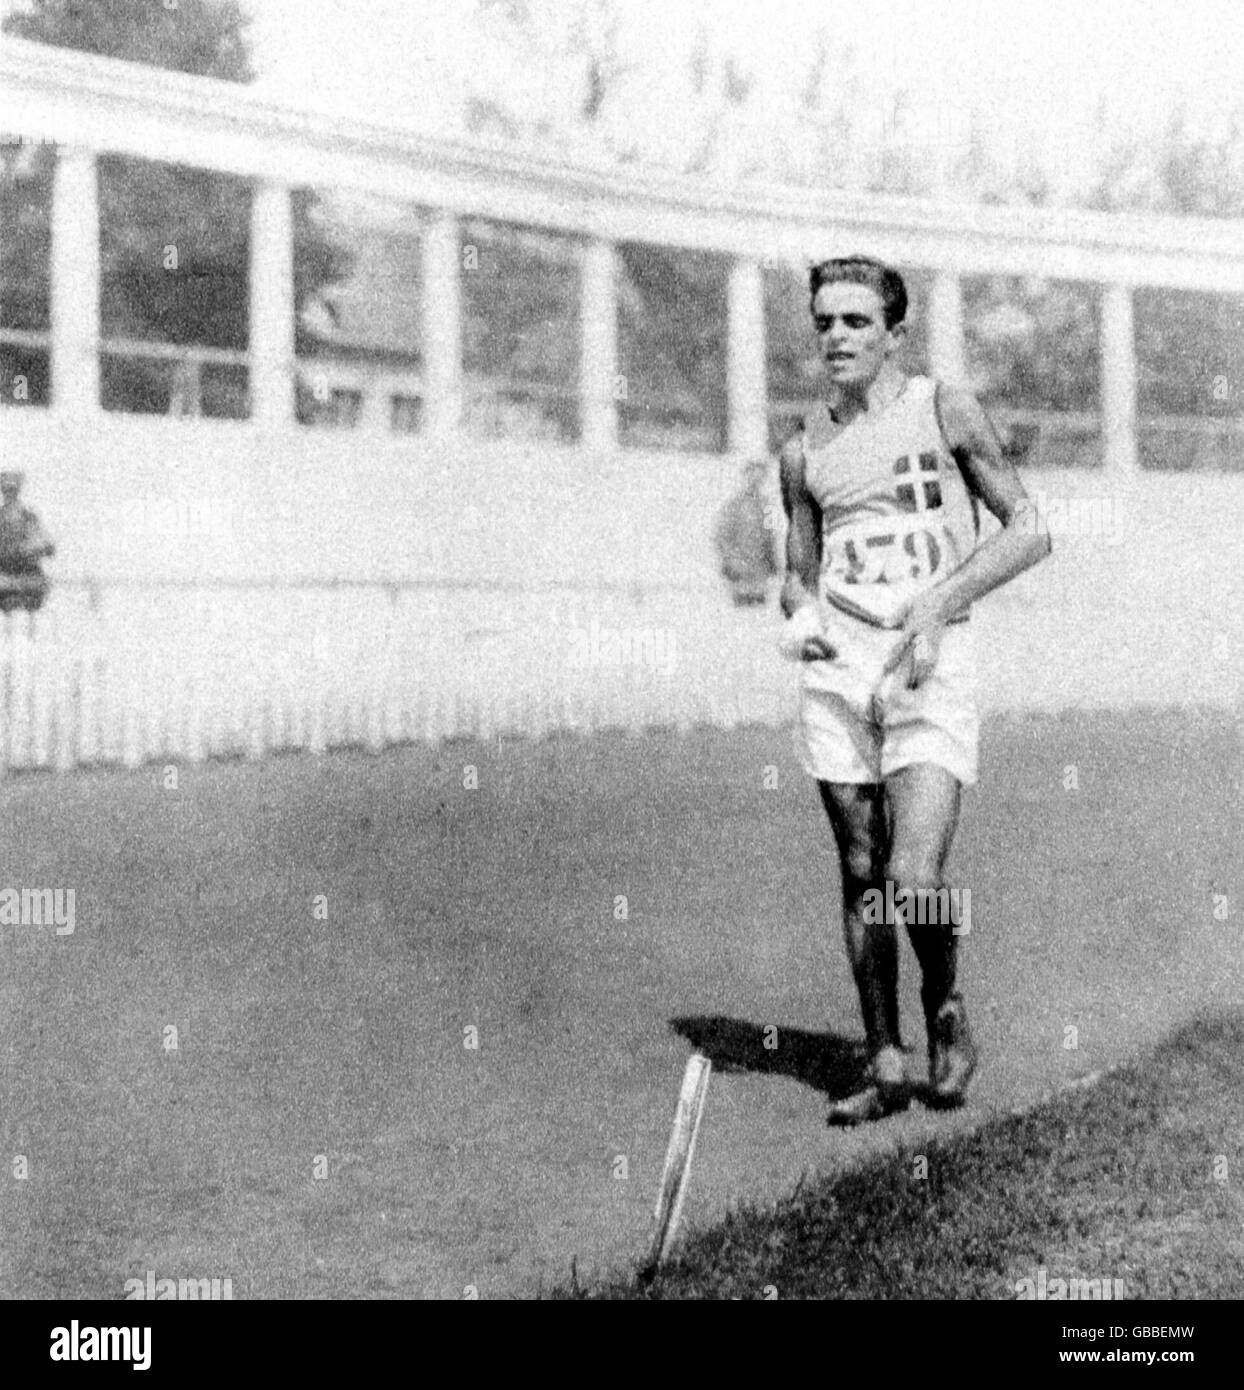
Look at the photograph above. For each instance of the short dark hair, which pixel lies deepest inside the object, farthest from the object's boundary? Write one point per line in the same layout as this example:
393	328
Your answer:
863	270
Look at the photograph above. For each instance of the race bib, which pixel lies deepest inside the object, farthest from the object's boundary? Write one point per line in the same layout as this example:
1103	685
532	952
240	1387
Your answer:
887	550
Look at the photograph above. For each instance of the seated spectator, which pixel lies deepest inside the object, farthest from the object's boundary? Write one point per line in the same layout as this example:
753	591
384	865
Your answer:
23	546
746	540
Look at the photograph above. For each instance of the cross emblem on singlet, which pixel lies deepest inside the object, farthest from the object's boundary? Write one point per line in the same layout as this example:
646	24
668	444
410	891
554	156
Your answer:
919	488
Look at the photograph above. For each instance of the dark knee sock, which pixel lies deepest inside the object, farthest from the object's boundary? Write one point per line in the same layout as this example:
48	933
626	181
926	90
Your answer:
936	947
875	966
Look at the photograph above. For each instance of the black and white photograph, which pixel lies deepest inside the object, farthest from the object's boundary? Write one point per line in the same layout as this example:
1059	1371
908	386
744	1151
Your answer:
622	660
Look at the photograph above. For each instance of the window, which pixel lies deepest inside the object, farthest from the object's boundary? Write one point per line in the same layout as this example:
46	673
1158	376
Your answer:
174	289
406	414
520	332
26	172
1190	370
338	408
358	300
672	330
1033	356
25	373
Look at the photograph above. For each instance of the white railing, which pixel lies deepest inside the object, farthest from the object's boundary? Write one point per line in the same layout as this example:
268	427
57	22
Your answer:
133	673
182	372
129	673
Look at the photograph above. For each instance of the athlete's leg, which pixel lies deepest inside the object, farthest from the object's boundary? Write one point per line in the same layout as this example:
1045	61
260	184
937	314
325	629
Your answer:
922	802
856	812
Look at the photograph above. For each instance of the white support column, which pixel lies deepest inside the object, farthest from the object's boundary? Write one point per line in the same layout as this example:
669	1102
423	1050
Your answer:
75	284
442	325
272	305
746	384
948	359
598	311
1118	380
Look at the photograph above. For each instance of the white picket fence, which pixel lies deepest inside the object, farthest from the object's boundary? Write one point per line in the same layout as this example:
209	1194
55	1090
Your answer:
130	673
126	674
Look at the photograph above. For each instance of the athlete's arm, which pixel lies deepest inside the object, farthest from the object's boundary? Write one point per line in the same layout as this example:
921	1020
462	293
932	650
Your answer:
803	532
803	545
1020	544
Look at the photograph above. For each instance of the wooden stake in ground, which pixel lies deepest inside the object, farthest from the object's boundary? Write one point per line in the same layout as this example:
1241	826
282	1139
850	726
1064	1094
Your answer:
678	1160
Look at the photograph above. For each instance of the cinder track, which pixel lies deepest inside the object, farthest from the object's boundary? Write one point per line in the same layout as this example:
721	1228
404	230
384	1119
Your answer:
497	909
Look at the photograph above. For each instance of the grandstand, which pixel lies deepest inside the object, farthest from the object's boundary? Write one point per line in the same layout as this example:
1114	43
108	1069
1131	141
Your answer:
367	518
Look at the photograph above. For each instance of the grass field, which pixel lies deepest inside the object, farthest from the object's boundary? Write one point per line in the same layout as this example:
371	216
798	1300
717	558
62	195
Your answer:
321	1130
1130	1183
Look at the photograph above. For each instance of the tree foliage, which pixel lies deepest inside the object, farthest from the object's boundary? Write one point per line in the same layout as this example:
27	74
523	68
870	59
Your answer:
203	37
175	241
1032	343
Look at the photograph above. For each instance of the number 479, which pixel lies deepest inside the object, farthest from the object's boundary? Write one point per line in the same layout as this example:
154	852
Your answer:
884	562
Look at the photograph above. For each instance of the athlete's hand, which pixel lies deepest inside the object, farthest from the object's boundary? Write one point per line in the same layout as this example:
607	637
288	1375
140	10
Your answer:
794	596
923	625
802	638
817	649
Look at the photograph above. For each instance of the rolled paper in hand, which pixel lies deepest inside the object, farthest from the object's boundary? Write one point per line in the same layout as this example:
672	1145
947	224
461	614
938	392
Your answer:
803	623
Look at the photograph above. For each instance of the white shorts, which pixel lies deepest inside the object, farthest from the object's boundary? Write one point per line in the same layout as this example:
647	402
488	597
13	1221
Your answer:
849	732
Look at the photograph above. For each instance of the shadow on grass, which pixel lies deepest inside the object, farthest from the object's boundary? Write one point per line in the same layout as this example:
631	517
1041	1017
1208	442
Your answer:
1111	1183
828	1063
